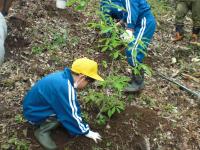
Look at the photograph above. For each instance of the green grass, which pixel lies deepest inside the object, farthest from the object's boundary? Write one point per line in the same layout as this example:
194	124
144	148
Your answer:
160	7
56	41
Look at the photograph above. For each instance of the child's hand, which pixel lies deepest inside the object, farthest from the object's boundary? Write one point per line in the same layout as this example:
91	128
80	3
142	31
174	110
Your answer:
120	23
127	36
94	135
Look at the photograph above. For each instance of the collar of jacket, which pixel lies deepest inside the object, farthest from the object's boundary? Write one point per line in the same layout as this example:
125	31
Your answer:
68	75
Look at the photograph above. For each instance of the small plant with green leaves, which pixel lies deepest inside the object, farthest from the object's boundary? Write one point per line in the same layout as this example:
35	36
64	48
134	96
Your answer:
74	41
110	40
57	41
15	143
148	101
96	148
104	64
160	7
170	108
85	116
79	5
109	144
19	118
110	103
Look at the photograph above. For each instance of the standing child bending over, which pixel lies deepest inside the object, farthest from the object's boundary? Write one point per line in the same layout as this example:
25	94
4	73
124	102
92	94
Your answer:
140	27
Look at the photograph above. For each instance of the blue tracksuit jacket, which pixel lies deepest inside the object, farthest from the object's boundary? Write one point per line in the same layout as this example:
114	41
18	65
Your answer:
55	95
138	17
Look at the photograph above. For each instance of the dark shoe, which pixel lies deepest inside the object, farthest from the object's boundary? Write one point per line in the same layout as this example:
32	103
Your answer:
195	32
42	134
137	83
134	87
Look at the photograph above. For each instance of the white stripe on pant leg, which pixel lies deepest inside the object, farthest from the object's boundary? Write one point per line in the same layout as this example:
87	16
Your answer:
129	11
142	31
136	41
127	19
70	102
140	37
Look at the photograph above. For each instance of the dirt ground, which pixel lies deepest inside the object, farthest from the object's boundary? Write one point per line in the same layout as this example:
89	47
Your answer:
161	117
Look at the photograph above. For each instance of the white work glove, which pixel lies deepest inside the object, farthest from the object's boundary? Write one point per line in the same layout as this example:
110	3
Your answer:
94	135
127	36
61	4
120	23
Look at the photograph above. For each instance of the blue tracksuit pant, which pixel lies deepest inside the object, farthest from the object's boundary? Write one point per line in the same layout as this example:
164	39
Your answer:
143	33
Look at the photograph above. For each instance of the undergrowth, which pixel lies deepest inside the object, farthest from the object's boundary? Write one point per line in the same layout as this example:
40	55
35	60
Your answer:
109	99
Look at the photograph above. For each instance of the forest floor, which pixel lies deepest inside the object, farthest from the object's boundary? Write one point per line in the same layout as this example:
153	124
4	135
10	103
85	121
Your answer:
162	116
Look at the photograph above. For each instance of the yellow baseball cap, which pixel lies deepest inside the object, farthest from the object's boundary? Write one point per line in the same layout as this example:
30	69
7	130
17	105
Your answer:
86	67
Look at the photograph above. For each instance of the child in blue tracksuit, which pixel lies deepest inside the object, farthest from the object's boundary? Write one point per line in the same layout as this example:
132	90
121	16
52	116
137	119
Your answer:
141	24
53	100
55	95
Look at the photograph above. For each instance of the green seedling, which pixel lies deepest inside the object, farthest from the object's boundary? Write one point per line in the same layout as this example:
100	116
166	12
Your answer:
15	143
109	100
148	101
57	41
79	5
19	118
110	40
170	108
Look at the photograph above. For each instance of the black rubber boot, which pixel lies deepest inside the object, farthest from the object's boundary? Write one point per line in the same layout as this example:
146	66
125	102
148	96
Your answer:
195	32
42	134
137	83
179	29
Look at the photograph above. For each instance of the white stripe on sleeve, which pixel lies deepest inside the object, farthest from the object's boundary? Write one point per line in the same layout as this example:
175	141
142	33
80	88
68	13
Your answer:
74	108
